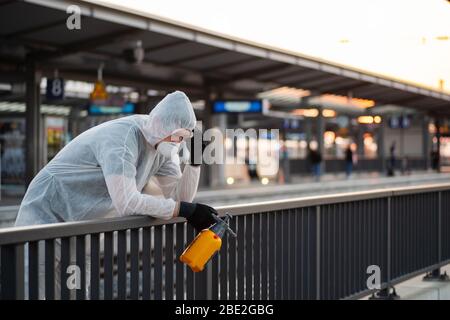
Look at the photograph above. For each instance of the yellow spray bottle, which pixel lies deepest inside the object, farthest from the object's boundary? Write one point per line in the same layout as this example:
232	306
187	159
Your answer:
206	244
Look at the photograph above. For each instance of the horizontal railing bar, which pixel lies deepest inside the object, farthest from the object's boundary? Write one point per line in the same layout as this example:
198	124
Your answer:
420	189
260	207
328	199
68	229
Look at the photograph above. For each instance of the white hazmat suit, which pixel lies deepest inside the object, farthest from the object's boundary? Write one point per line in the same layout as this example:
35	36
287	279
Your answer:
103	171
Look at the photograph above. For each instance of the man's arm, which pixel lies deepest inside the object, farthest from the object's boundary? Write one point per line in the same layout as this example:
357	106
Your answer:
177	186
118	164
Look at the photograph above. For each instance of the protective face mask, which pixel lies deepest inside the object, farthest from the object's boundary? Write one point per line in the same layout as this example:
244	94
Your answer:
186	155
169	150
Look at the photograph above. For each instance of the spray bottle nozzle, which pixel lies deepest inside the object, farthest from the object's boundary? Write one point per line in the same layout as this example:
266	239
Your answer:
222	226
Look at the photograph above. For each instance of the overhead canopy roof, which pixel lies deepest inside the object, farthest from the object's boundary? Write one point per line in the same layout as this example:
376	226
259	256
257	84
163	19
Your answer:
181	57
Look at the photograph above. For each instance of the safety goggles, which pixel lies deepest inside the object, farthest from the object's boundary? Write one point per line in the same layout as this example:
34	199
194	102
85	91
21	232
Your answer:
181	135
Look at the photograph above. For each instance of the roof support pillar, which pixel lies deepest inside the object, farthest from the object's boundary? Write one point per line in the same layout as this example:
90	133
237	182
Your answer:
216	172
360	140
320	140
437	123
426	141
381	144
33	121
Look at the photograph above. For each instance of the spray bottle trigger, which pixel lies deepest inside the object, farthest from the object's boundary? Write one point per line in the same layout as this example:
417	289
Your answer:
222	226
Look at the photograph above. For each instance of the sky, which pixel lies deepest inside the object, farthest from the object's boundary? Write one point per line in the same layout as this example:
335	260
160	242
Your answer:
396	38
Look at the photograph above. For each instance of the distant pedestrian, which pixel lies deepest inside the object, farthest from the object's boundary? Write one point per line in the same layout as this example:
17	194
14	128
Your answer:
349	161
392	160
315	159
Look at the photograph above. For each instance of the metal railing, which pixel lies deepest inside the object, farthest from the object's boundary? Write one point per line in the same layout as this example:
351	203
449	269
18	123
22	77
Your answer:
307	248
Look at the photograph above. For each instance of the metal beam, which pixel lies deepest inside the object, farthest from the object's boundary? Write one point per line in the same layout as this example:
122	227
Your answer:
231	64
12	77
36	29
165	46
112	56
300	72
196	57
315	84
405	100
389	95
343	89
38	46
431	102
119	79
260	71
372	89
255	73
308	76
441	104
85	45
155	83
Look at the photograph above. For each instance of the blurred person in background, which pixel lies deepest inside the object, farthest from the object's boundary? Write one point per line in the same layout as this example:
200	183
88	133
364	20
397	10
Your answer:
392	160
315	159
349	161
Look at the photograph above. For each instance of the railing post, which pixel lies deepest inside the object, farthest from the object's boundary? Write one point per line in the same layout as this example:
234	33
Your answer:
436	275
12	272
389	239
386	293
209	282
318	235
440	226
202	283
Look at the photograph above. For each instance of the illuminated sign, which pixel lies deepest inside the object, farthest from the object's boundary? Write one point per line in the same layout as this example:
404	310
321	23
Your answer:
238	106
126	108
99	93
399	122
103	103
55	89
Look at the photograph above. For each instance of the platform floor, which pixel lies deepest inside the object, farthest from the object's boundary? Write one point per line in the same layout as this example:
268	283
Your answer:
306	186
417	289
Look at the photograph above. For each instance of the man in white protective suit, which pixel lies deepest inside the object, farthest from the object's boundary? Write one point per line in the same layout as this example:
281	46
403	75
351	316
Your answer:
103	171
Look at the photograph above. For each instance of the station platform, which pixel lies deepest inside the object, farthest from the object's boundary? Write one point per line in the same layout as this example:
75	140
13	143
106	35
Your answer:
307	186
417	289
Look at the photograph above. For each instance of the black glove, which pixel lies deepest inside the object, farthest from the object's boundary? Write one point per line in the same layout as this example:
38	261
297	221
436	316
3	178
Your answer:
200	216
196	158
